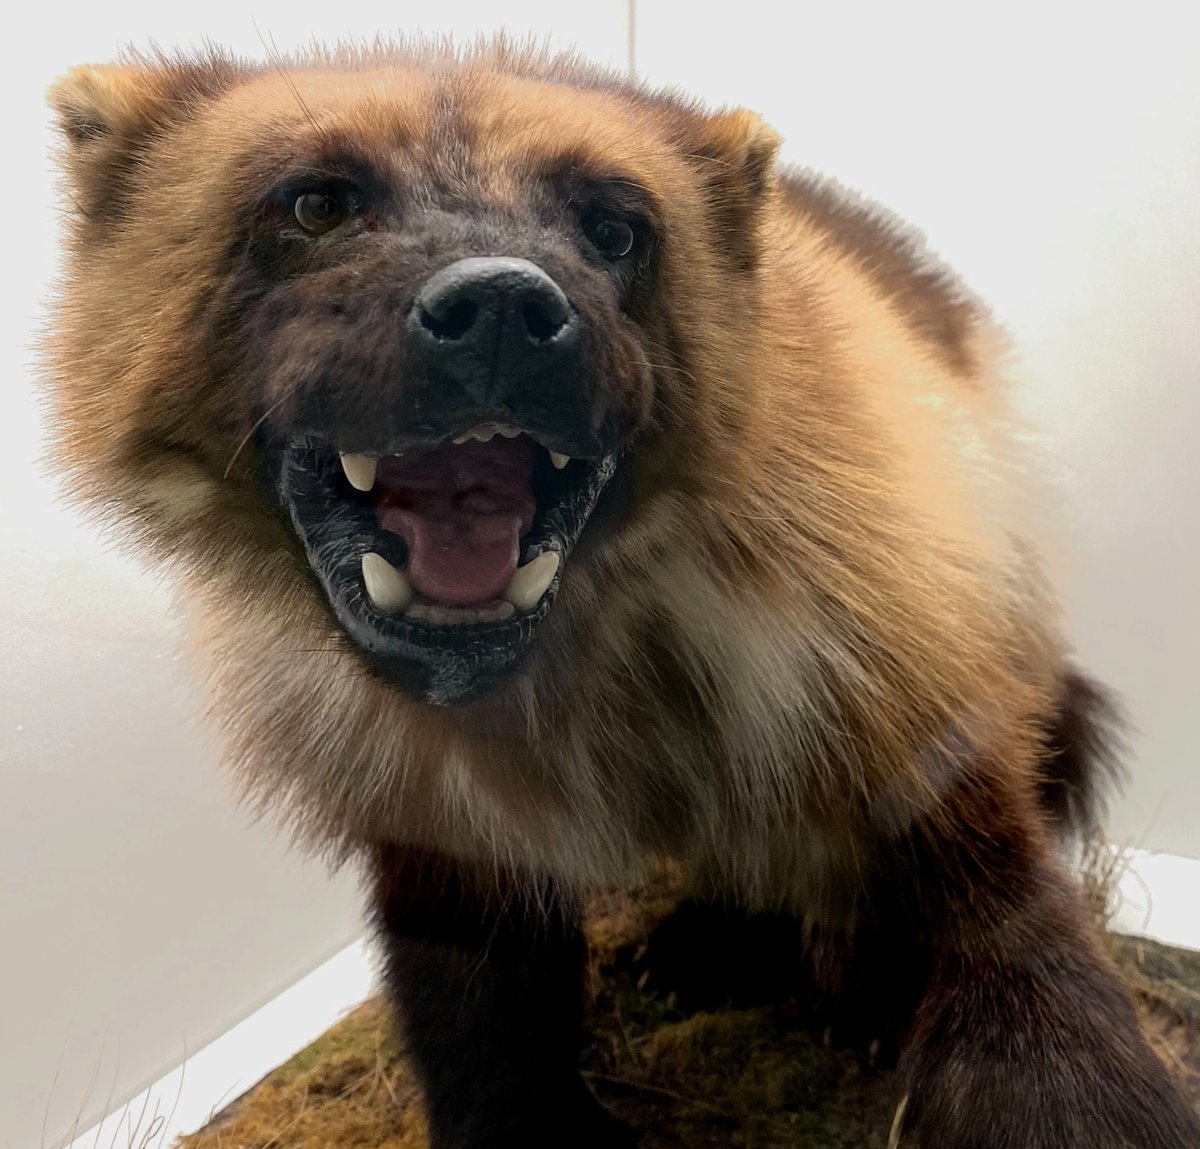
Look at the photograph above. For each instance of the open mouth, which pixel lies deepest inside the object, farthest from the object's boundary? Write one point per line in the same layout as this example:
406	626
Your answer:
441	559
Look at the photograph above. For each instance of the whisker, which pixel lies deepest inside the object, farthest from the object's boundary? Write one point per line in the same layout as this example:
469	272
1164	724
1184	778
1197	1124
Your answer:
250	434
276	59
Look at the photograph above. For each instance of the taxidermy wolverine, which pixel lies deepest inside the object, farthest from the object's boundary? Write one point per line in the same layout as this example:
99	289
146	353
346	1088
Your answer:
560	489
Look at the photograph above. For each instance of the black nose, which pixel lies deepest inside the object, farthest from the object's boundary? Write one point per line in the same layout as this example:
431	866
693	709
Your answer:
492	323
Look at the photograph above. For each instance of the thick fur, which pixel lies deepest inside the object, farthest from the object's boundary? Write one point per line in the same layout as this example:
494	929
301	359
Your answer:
807	655
505	1031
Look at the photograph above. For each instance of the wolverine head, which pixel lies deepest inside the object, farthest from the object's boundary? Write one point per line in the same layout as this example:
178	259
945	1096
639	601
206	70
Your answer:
434	329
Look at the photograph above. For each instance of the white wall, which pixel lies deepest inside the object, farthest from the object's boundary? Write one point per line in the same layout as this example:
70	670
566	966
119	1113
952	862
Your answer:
140	916
1051	152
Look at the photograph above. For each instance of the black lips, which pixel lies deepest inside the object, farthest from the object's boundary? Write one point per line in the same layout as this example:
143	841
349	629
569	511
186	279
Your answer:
436	664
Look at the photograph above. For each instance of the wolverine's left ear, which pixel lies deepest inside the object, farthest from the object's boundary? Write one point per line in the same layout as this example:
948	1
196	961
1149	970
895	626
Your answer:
109	113
734	154
743	146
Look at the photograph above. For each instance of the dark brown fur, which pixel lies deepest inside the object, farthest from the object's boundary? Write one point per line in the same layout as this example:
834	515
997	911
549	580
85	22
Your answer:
804	650
932	299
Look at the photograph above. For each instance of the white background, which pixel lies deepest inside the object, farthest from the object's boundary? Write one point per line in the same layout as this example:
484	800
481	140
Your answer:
1050	151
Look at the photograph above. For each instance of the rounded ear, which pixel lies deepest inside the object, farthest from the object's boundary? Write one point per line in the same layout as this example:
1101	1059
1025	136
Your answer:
734	154
93	102
107	114
741	142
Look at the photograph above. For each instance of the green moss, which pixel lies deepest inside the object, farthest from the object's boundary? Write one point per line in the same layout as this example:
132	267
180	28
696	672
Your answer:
736	1079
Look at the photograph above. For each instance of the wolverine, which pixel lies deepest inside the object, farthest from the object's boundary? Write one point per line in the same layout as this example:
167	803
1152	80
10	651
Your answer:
561	489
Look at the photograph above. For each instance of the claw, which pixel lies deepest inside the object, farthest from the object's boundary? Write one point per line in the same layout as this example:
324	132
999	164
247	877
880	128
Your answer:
897	1124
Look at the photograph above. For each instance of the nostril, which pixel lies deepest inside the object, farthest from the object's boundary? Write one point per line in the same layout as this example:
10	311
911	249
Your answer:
454	322
541	322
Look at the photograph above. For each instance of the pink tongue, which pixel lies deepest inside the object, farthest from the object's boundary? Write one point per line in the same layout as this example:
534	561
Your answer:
462	511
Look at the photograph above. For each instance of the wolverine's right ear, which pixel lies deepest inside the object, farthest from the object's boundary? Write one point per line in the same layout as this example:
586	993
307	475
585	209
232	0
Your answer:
109	113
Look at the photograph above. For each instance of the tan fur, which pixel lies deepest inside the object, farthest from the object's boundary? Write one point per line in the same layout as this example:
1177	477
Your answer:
829	528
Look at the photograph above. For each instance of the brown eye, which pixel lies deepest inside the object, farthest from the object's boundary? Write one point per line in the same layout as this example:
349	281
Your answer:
319	212
613	238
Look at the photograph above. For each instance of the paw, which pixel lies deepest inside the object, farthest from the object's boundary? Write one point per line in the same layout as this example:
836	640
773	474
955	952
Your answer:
570	1118
608	1133
705	957
1044	1090
876	1046
595	1128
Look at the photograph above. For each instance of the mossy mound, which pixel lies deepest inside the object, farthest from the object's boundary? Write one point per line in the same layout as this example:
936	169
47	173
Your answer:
735	1079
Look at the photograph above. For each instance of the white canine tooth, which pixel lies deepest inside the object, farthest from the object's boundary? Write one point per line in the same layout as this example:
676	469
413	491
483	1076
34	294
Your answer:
360	470
558	460
387	587
531	581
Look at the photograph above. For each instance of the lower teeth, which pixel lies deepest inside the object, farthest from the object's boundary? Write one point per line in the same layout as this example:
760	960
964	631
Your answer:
455	616
390	591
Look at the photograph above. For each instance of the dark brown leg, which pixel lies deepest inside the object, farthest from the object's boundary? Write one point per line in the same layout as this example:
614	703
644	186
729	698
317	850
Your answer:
1025	1038
488	984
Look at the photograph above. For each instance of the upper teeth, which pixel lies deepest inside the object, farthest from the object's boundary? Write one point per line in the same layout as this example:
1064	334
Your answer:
485	432
360	470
